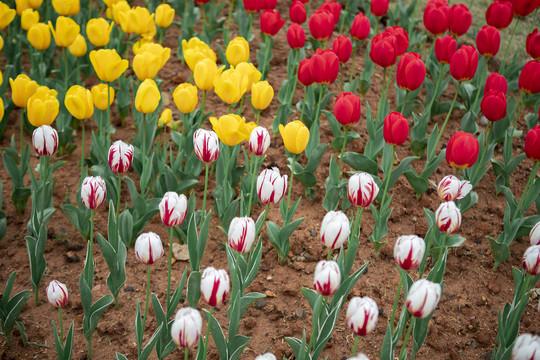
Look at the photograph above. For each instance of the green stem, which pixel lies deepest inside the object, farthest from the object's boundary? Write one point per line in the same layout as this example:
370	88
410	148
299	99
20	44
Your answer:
22	129
447	117
359	212
203	105
353	60
322	91
119	195
441	74
253	176
82	148
296	58
231	6
235	273
186	356
147	296
484	150
258	116
144	140
329	256
518	112
266	53
424	47
169	269
343	150
481	82
241	106
387	177
356	338
227	161
61	326
404	103
396	299
251	16
315	325
503	65
291	182
89	271
108	123
207	331
404	346
43	169
89	342
205	190
66	70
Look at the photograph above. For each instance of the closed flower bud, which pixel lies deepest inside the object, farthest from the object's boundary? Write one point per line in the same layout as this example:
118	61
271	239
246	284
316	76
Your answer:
411	72
262	94
359	357
231	129
108	64
66	7
57	293
360	27
342	46
321	25
78	47
531	260
271	22
43	107
241	234
29	17
252	6
437	17
22	88
304	72
395	129
136	20
529	78
295	136
195	50
362	315
324	66
451	188
214	286
332	7
148	97
493	105
402	38
488	41
523	8
7	15
185	97
148	248
146	65
206	145
164	15
237	51
296	37
496	82
259	141
526	347
445	48
249	75
534	235
117	8
533	44
120	157
45	140
266	356
448	217
499	14
186	327
460	19
20	5
463	63
228	86
271	186
335	229
98	31
66	31
102	95
205	73
379	7
297	12
79	102
164	53
39	36
327	277
409	251
532	143
384	50
93	192
173	208
165	117
423	298
347	109
462	150
362	189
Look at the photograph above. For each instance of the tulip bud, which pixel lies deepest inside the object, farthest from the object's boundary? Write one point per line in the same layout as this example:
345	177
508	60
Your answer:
523	8
451	188
334	8
445	48
411	72
409	251
362	315
146	65
249	75
533	44
120	157
98	31
395	129
342	46
488	41
164	15
231	129
499	14
462	150
496	82
262	94
148	97
30	17
379	7
448	217
436	17
531	260
185	97
39	36
402	38
186	327
493	105
148	248
136	20
532	143
45	140
529	78
267	356
93	192
66	7
327	277
360	27
43	107
384	49
228	86
241	234
206	145
526	347
173	209
321	25
78	47
297	12
534	235
347	109
195	50
362	189
259	141
108	64
296	37
165	117
79	102
66	31
304	72
271	22
7	14
214	286
252	6
460	19
423	298
359	357
102	96
204	74
237	51
324	66
295	136
22	88
335	229
57	293
2	109
463	63
271	186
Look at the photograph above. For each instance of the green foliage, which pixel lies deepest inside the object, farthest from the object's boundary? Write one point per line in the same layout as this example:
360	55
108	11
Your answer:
10	309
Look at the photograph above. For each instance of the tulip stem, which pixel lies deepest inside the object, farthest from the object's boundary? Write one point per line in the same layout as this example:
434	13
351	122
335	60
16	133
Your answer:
404	346
235	285
441	74
343	149
43	169
484	150
329	256
267	48
446	120
296	58
169	269
253	176
207	332
119	195
481	82
89	270
108	123
353	60
258	116
359	212
404	103
203	105
66	70
356	338
61	326
186	355
259	228
205	190
82	148
291	181
147	296
503	65
22	129
396	299
251	16
387	176
227	161
231	6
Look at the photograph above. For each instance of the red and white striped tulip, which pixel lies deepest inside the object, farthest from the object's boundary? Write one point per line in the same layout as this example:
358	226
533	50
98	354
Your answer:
362	189
45	140
120	157
93	192
526	347
266	356
186	327
451	188
448	217
409	251
148	248
57	293
206	144
335	229
241	234
360	356
362	315
327	277
271	186
215	286
173	208
423	298
534	235
531	260
259	141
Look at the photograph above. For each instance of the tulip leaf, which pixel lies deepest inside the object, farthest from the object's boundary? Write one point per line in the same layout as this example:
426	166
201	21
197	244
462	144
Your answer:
217	335
194	288
298	346
119	356
10	308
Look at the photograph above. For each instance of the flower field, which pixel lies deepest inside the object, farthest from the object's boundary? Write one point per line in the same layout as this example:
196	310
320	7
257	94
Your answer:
262	179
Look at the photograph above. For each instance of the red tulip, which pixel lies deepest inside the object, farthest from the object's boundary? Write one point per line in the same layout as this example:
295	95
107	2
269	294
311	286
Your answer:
411	71
271	22
332	7
437	16
395	129
202	2
384	49
304	72
321	25
529	78
297	12
488	41
463	63
532	143
496	82
533	44
445	48
462	150
268	4
253	6
324	66
342	46
347	109
460	19
402	38
499	14
523	8
296	36
360	27
494	105
379	7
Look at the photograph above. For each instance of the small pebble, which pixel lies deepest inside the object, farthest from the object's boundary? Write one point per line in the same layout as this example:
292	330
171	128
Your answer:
129	289
300	313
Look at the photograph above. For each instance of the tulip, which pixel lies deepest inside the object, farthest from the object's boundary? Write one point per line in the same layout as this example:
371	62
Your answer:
248	76
241	234
296	37
29	17
534	235
98	31
451	188
6	15
202	2
271	22
185	97
499	14
186	327
5	11
342	47
395	129
268	4
437	17
57	293
102	95
43	107
164	15
39	36
324	66
335	229
117	8
379	7
266	356
493	105
22	88
252	6
78	47
460	19
271	186
327	277
531	260
173	209
205	73
523	8
2	110
409	251
206	145
228	86
136	20
108	64
237	51
362	189
445	48
448	217
45	140
362	315
261	95
304	72
332	7
214	286
120	157
148	97
347	109
66	7
462	150
66	31
321	25
411	72
423	298
496	82
359	357
463	63
231	129
360	27
79	103
295	136
164	53
384	49
165	118
533	44
148	248
146	65
526	347
488	41
532	143
402	38
93	192
529	78
259	141
297	12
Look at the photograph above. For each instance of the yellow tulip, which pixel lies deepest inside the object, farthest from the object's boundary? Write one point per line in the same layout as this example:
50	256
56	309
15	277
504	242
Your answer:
151	30
164	15
100	95
98	31
78	48
228	86
185	97
295	136
204	74
195	50
148	97
35	4
146	65
165	117
7	15
110	3
21	89
66	31
79	102
43	107
164	53
136	20
117	8
39	36
261	95
20	6
249	75
66	7
108	64
29	17
1	43
237	51
231	129
1	109
1	78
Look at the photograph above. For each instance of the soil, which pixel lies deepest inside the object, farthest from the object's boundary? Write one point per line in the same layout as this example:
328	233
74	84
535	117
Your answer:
464	324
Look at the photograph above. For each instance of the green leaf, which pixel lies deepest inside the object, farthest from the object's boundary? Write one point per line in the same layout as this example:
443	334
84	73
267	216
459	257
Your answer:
360	162
194	288
217	335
